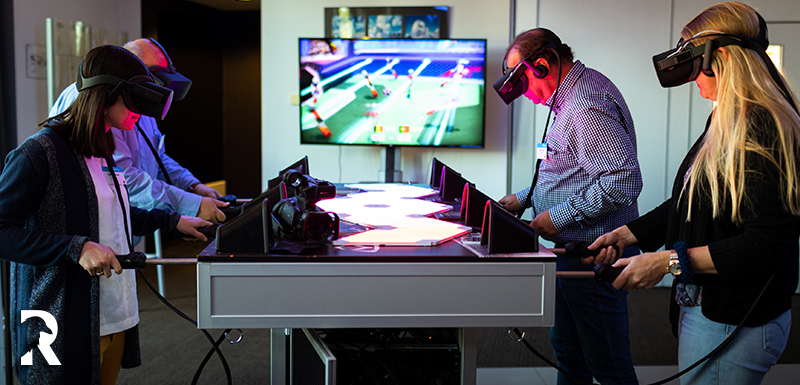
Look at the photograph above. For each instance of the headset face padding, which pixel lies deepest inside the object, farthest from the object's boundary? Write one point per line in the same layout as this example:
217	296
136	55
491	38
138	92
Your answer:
514	83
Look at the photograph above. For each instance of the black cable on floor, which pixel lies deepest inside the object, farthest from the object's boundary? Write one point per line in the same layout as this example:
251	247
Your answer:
208	356
674	376
205	333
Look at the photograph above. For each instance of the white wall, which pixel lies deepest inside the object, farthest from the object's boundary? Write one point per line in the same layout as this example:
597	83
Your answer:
115	17
283	22
619	38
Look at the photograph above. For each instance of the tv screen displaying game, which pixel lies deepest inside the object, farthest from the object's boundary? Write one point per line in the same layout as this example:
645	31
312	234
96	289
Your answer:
398	92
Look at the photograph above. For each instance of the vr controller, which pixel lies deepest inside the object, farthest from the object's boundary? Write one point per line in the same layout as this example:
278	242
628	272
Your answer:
602	273
209	231
134	260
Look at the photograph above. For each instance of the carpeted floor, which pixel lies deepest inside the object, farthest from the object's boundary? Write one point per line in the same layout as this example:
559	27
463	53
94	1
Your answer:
172	348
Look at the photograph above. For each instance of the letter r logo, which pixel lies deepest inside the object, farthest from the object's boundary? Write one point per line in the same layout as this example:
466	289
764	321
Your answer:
45	339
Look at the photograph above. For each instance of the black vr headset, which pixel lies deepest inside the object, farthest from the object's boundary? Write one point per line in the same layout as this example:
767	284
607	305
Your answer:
514	83
169	77
683	63
140	94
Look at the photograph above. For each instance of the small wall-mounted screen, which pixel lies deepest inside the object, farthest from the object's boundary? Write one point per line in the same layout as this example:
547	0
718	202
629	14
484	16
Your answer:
398	92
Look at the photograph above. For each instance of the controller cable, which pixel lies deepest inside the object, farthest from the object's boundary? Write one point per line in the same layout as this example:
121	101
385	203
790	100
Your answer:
215	345
612	274
527	200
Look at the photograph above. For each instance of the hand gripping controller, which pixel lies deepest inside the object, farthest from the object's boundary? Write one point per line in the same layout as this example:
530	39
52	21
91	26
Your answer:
134	260
209	231
603	273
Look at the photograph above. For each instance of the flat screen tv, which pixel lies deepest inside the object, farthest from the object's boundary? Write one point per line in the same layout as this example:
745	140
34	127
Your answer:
394	92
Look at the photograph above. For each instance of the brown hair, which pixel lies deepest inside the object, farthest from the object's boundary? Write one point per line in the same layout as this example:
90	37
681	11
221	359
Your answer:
83	122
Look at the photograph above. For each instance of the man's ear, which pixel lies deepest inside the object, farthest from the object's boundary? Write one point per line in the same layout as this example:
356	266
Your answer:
541	68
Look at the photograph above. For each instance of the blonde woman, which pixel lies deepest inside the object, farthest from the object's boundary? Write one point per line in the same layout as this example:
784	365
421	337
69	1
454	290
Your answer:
730	228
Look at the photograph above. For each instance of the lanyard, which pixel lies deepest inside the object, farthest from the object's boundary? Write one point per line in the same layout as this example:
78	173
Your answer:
155	154
110	163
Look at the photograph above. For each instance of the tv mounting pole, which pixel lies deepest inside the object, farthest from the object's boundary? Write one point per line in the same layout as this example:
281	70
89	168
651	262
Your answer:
392	173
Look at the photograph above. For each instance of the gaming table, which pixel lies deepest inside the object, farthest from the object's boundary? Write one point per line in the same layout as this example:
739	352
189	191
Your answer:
452	285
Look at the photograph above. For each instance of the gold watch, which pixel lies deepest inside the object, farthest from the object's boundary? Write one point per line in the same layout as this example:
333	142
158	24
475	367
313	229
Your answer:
674	263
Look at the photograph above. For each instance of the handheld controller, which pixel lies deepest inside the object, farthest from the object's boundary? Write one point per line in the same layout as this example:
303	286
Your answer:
602	273
209	231
134	260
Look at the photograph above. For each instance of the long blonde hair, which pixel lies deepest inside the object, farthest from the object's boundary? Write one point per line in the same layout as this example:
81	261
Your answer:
744	85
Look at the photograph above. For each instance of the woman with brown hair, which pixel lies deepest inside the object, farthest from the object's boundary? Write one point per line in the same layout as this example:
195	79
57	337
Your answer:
64	215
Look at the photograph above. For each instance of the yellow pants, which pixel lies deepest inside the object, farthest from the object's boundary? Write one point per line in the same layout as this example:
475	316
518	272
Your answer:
111	348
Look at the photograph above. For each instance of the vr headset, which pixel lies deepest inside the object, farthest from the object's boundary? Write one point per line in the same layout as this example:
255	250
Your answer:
140	94
683	63
514	83
169	77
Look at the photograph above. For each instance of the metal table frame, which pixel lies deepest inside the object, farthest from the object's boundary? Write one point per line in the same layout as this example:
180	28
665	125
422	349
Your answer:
312	292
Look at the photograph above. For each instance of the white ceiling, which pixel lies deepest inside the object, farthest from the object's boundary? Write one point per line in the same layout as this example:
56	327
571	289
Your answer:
231	5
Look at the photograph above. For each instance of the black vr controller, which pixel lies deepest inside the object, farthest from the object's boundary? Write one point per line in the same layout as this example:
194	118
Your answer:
209	231
602	273
232	210
134	260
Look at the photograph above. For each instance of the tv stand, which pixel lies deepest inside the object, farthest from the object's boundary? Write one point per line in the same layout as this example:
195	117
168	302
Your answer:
391	164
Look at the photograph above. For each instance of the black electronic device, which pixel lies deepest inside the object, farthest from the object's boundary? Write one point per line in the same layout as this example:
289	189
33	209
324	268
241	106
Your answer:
296	216
401	92
169	77
606	273
209	231
140	93
301	166
504	233
514	83
602	272
436	173
682	64
580	250
250	232
452	185
231	212
134	260
473	205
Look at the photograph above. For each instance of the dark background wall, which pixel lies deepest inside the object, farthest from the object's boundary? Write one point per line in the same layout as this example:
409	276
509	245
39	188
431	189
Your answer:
215	131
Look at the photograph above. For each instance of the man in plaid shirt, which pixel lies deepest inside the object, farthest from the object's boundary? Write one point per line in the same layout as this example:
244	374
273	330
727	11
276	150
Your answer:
588	183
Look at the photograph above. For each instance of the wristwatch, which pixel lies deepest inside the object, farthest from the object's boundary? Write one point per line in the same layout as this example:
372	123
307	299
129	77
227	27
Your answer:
674	263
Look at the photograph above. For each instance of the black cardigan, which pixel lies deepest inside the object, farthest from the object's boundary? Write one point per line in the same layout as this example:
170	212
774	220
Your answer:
48	210
745	255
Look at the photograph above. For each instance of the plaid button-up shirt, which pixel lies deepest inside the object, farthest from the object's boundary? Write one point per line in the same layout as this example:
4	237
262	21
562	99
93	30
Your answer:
591	179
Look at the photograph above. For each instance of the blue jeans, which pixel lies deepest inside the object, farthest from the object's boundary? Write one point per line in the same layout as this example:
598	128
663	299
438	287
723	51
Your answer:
590	336
746	359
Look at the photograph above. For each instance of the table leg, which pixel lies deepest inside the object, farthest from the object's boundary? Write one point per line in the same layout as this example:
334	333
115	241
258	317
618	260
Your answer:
468	339
278	359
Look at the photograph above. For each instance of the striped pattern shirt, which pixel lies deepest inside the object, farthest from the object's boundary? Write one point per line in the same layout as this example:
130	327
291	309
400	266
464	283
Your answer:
591	179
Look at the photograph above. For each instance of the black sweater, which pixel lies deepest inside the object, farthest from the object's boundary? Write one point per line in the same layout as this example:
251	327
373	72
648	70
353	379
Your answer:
744	254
